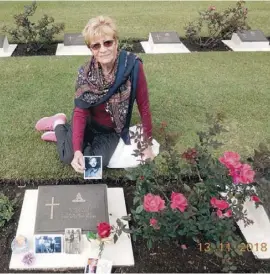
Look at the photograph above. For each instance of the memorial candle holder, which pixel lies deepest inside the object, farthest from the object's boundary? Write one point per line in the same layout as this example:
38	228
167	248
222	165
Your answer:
19	244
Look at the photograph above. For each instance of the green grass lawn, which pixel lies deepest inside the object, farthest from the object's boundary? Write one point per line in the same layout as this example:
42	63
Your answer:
182	89
135	19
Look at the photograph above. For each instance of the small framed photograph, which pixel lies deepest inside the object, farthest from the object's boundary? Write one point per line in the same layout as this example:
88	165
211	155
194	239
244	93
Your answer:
48	244
91	266
93	167
72	240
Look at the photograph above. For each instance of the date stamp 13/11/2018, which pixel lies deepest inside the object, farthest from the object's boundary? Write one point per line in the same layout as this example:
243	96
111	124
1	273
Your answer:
243	247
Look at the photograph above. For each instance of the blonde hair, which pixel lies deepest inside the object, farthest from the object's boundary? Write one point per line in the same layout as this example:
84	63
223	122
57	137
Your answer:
99	26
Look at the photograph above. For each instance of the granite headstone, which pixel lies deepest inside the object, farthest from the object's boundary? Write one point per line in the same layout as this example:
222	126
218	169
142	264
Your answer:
64	206
170	37
252	36
74	39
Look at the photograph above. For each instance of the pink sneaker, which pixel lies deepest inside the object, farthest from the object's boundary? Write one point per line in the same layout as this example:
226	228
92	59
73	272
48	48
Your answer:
49	136
47	123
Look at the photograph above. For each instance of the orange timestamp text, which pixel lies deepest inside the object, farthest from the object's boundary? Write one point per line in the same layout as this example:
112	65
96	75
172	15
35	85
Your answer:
249	247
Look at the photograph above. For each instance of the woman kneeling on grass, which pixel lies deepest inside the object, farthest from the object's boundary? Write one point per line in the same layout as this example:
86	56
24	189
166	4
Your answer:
106	88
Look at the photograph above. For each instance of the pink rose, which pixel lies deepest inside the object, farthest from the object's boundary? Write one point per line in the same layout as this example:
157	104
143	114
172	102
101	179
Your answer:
220	204
230	160
255	198
154	223
228	214
153	203
244	174
183	246
179	201
212	8
219	213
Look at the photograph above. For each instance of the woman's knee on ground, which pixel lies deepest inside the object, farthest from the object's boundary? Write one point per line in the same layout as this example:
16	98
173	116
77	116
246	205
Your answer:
66	158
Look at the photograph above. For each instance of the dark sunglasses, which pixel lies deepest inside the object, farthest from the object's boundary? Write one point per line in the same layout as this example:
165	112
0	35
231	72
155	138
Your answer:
106	44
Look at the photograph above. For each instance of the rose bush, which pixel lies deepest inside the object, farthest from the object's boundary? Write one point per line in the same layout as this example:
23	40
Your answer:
219	25
195	203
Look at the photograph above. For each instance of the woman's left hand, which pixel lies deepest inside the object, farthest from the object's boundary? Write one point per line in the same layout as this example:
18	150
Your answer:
148	153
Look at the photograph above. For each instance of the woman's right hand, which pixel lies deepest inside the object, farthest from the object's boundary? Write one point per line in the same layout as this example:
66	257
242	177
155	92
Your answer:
78	162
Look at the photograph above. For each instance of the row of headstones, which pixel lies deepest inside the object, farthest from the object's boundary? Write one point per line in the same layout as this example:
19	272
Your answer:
158	42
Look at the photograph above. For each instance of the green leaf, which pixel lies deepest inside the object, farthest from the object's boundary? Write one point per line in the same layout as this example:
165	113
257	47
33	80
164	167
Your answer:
130	177
91	235
187	188
139	209
233	267
149	244
126	218
115	238
136	200
126	230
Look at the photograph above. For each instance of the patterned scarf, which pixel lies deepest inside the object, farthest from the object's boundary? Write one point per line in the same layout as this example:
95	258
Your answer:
92	88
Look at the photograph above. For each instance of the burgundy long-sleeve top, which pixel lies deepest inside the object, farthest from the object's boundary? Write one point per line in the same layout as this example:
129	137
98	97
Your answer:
102	117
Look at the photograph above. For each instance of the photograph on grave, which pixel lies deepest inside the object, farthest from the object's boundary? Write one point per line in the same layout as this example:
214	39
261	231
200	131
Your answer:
104	266
67	206
93	167
72	240
48	243
91	265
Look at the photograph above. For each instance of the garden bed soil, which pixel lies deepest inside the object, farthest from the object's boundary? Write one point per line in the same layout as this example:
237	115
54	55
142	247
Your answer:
197	48
162	258
50	49
21	50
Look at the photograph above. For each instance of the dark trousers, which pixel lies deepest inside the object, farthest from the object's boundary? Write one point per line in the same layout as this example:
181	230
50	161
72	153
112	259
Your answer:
98	141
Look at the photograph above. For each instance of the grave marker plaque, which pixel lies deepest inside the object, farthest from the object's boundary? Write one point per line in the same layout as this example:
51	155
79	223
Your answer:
252	36
169	37
65	206
74	39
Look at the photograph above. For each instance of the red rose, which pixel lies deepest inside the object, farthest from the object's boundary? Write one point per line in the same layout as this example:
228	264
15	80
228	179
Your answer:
255	198
230	160
179	201
190	155
220	204
153	203
104	230
142	178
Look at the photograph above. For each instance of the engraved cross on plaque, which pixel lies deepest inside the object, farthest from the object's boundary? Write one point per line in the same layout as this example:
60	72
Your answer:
70	38
158	36
52	205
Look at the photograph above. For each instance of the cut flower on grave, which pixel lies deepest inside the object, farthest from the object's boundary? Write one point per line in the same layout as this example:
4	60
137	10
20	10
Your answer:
107	234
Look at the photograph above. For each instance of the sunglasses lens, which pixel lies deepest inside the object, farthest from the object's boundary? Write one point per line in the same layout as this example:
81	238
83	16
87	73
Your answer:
108	43
96	46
